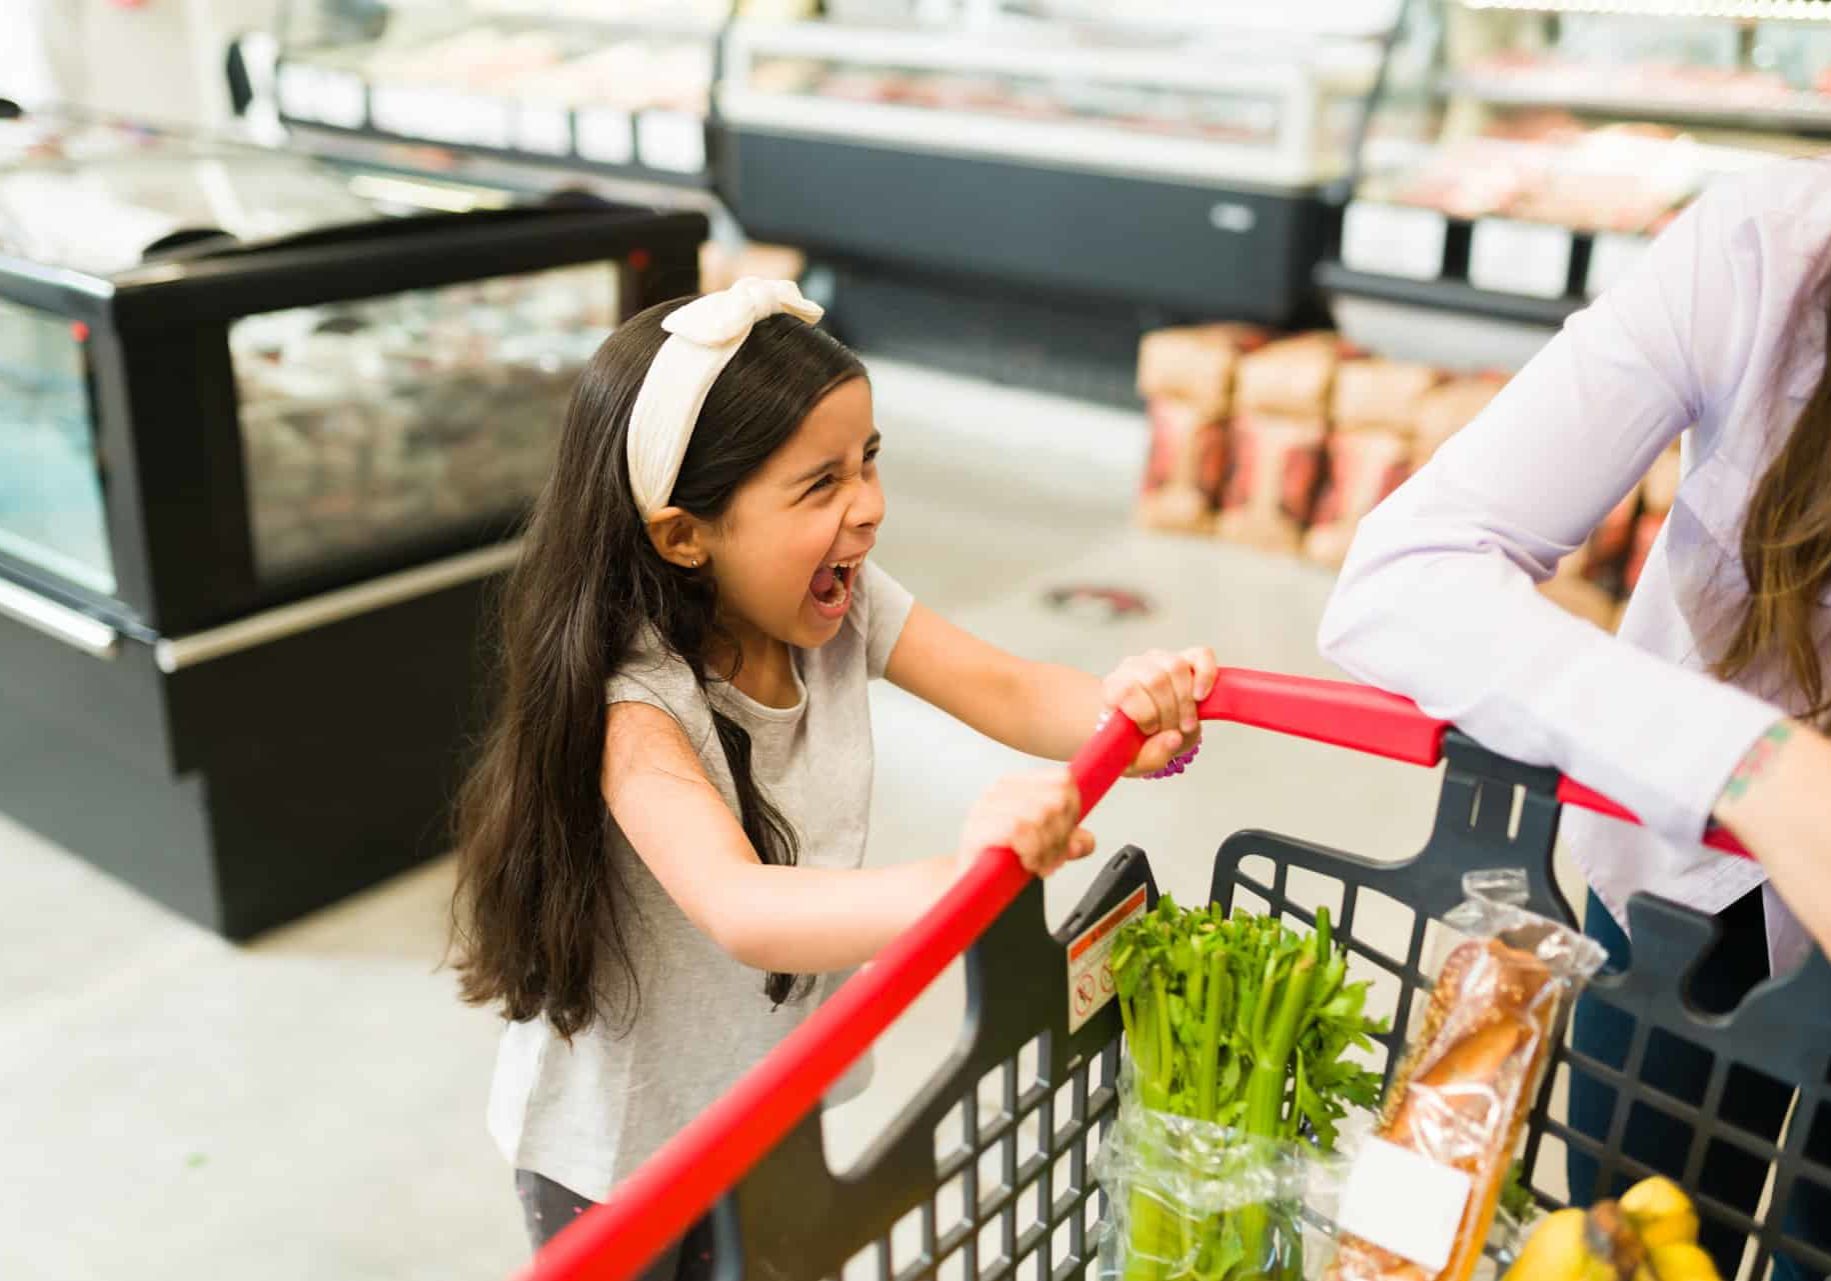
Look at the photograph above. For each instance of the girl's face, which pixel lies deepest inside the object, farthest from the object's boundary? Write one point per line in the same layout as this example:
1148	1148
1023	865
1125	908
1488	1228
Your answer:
790	547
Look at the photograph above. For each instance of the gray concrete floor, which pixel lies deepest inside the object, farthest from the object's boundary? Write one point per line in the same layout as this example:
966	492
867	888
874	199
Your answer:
311	1105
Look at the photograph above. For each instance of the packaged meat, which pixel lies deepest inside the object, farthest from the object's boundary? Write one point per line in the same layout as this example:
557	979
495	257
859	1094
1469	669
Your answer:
1364	467
1272	477
1186	468
1444	411
1381	395
1462	1093
1195	364
1291	377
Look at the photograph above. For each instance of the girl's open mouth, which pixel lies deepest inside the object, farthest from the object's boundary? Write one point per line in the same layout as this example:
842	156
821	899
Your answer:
831	587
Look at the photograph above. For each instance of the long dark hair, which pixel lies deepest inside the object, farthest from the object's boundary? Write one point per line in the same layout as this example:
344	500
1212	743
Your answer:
1786	552
540	924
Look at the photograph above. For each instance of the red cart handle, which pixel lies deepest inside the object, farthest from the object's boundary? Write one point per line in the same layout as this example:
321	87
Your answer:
658	1203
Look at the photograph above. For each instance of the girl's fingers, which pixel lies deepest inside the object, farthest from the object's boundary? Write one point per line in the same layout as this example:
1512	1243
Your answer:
1181	677
1202	662
1157	751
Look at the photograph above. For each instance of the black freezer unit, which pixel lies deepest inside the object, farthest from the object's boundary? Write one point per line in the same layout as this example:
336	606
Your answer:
267	428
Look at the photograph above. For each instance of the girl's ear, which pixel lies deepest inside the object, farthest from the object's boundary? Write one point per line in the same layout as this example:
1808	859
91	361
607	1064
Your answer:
679	537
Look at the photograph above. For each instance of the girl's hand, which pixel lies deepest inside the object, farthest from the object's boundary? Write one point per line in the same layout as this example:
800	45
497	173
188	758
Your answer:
1038	815
1162	692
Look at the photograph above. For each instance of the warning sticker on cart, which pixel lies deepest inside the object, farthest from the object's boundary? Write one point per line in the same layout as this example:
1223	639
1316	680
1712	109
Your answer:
1090	977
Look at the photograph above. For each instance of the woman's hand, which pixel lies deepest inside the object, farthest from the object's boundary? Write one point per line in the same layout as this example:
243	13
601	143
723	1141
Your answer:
1162	693
1038	815
1778	803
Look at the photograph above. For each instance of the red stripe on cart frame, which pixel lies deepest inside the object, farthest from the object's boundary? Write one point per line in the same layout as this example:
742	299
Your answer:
1571	792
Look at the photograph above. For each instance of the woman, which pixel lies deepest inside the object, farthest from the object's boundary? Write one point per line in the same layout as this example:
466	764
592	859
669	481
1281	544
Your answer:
1704	707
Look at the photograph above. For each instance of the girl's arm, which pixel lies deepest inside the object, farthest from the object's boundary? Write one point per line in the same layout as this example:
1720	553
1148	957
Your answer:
1044	709
800	920
1438	598
1778	802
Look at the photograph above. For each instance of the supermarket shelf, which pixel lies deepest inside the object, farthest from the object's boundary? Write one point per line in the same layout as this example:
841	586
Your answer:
1805	113
666	148
1447	295
518	172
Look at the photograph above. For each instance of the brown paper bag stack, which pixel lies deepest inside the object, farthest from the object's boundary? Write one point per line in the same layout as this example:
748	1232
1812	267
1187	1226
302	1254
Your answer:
1443	411
1186	377
1280	426
1369	454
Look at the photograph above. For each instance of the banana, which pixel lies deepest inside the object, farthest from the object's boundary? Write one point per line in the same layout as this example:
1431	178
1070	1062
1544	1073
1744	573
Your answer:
1650	1234
1679	1261
1563	1248
1660	1213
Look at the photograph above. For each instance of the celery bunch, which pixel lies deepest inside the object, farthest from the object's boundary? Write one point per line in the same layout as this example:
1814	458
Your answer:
1246	1024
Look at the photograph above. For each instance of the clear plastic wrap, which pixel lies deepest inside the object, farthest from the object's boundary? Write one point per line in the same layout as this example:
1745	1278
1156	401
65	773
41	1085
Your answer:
1462	1093
1193	1201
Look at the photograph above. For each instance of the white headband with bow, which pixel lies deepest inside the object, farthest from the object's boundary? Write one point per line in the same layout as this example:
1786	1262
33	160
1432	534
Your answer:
703	336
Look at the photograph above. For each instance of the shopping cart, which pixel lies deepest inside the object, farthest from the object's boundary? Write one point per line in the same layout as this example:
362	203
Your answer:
987	1175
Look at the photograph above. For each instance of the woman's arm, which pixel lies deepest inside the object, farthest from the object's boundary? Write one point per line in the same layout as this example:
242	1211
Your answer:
1045	709
1438	598
1778	802
800	920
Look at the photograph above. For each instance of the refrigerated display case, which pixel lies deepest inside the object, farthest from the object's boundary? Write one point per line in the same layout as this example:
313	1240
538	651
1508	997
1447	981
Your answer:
267	428
1520	154
1176	167
616	87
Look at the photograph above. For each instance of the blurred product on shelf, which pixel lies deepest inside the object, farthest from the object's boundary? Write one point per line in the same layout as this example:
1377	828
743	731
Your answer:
1196	365
1286	444
1375	413
1443	411
1291	377
1578	595
1280	433
1657	494
1271	485
1186	377
1602	556
722	265
1186	470
1365	466
1381	395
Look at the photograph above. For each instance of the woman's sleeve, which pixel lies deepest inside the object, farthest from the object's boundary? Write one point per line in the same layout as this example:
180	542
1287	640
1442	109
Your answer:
1438	601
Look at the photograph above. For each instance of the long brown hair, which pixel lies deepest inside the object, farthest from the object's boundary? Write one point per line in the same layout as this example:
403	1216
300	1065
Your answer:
1786	555
540	923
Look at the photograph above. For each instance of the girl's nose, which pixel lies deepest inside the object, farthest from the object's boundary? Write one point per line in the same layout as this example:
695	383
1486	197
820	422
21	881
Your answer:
867	510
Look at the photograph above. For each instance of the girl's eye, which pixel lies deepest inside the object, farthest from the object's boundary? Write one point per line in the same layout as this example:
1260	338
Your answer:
825	482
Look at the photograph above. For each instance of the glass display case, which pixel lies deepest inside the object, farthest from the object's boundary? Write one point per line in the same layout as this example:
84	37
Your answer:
1077	147
619	86
267	428
1520	153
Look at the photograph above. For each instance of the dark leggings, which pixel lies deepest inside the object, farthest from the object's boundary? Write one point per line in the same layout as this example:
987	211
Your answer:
547	1207
1751	1101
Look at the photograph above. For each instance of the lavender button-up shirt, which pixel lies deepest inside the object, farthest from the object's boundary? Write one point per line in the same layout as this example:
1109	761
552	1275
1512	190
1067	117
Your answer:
1720	328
